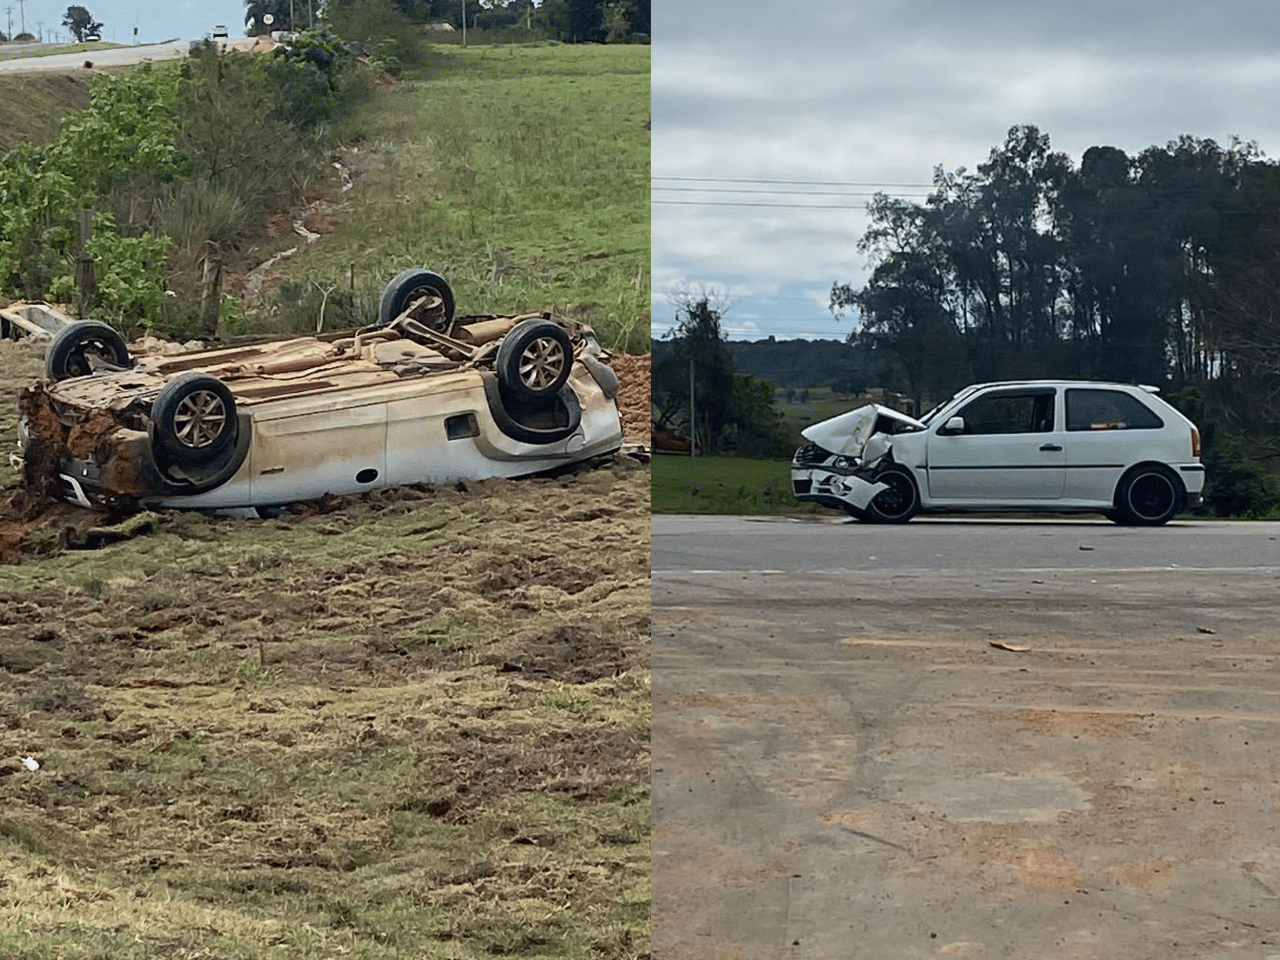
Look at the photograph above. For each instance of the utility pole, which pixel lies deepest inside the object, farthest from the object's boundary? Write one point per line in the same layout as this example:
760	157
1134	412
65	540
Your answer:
8	11
464	22
22	13
40	30
693	420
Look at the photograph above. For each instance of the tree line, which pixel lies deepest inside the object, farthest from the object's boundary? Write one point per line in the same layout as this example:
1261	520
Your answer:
1159	268
570	21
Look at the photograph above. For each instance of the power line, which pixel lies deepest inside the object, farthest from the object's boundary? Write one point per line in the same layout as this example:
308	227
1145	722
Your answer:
730	203
781	193
794	183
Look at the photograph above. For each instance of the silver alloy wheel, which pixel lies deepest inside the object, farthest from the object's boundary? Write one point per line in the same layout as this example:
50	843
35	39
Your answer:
542	362
199	419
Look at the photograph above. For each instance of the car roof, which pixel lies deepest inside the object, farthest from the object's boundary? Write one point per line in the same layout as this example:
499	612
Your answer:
1061	383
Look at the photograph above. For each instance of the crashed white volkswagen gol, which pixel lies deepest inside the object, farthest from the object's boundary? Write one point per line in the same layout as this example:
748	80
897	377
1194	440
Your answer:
420	396
1054	445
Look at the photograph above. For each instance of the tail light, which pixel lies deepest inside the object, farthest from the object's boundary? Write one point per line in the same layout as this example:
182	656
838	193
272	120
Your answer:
1195	444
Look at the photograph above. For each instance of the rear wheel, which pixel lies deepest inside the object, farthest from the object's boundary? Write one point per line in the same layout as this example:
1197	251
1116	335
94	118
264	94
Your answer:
534	360
82	348
410	285
900	502
1150	495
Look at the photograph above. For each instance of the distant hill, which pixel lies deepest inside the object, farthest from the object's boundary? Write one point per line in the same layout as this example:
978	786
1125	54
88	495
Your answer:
796	363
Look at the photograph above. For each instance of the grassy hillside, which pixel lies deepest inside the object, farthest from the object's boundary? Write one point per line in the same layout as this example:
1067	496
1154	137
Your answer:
32	105
520	173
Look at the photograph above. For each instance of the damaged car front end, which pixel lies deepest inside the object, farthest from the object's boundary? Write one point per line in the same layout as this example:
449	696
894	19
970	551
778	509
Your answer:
846	463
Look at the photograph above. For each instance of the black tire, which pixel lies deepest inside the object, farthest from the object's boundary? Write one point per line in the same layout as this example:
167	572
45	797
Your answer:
1150	495
193	420
534	360
70	351
406	287
900	502
854	512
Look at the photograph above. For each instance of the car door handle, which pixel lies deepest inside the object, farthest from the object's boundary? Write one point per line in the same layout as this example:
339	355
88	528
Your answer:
1050	446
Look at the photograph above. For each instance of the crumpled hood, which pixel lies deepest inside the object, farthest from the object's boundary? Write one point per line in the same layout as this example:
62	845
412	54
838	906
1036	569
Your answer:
848	433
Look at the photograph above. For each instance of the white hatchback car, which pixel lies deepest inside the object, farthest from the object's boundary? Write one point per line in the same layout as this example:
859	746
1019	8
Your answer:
1053	445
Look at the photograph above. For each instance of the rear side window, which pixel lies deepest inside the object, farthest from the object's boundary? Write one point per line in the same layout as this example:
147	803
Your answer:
1092	409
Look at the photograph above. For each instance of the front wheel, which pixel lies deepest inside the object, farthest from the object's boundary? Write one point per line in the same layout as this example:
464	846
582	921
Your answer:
1149	496
900	502
534	360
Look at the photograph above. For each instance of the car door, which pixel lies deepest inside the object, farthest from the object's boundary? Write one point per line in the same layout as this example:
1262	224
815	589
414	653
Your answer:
1006	447
1107	430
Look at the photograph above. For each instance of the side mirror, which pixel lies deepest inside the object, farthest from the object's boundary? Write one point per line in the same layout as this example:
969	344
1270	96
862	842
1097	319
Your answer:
953	427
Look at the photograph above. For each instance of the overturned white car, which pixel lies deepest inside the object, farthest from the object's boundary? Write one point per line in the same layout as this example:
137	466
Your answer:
1052	445
419	396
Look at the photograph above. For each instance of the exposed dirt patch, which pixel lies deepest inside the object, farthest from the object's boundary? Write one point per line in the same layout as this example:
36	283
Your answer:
634	390
1073	723
418	715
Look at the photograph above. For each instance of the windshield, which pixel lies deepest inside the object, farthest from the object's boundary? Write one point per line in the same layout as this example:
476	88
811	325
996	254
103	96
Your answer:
928	417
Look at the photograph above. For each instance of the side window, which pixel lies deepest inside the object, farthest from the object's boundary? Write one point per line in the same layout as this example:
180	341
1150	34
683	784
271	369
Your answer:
1108	410
996	413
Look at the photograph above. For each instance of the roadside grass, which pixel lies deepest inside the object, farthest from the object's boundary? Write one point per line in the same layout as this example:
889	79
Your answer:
413	724
716	484
32	105
520	173
54	51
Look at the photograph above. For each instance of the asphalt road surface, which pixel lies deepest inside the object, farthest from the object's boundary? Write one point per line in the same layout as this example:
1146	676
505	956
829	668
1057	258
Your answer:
965	738
112	57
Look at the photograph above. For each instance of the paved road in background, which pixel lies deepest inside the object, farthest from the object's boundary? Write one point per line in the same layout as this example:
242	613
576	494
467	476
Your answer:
112	57
965	738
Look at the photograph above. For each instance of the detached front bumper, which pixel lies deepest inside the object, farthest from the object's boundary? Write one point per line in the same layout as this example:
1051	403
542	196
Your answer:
835	490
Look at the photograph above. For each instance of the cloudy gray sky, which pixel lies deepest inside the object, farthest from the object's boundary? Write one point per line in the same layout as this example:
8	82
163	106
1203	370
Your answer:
830	100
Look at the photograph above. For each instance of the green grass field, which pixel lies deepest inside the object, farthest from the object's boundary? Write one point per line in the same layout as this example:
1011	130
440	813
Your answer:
520	173
32	105
712	484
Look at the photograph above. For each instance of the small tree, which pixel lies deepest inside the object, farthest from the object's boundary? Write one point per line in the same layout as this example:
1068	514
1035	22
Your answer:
81	23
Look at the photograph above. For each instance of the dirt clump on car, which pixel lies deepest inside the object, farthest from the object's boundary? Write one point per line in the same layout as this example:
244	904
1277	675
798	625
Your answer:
633	395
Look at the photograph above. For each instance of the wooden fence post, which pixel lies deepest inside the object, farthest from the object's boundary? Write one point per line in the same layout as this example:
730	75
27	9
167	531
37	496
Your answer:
211	291
86	280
